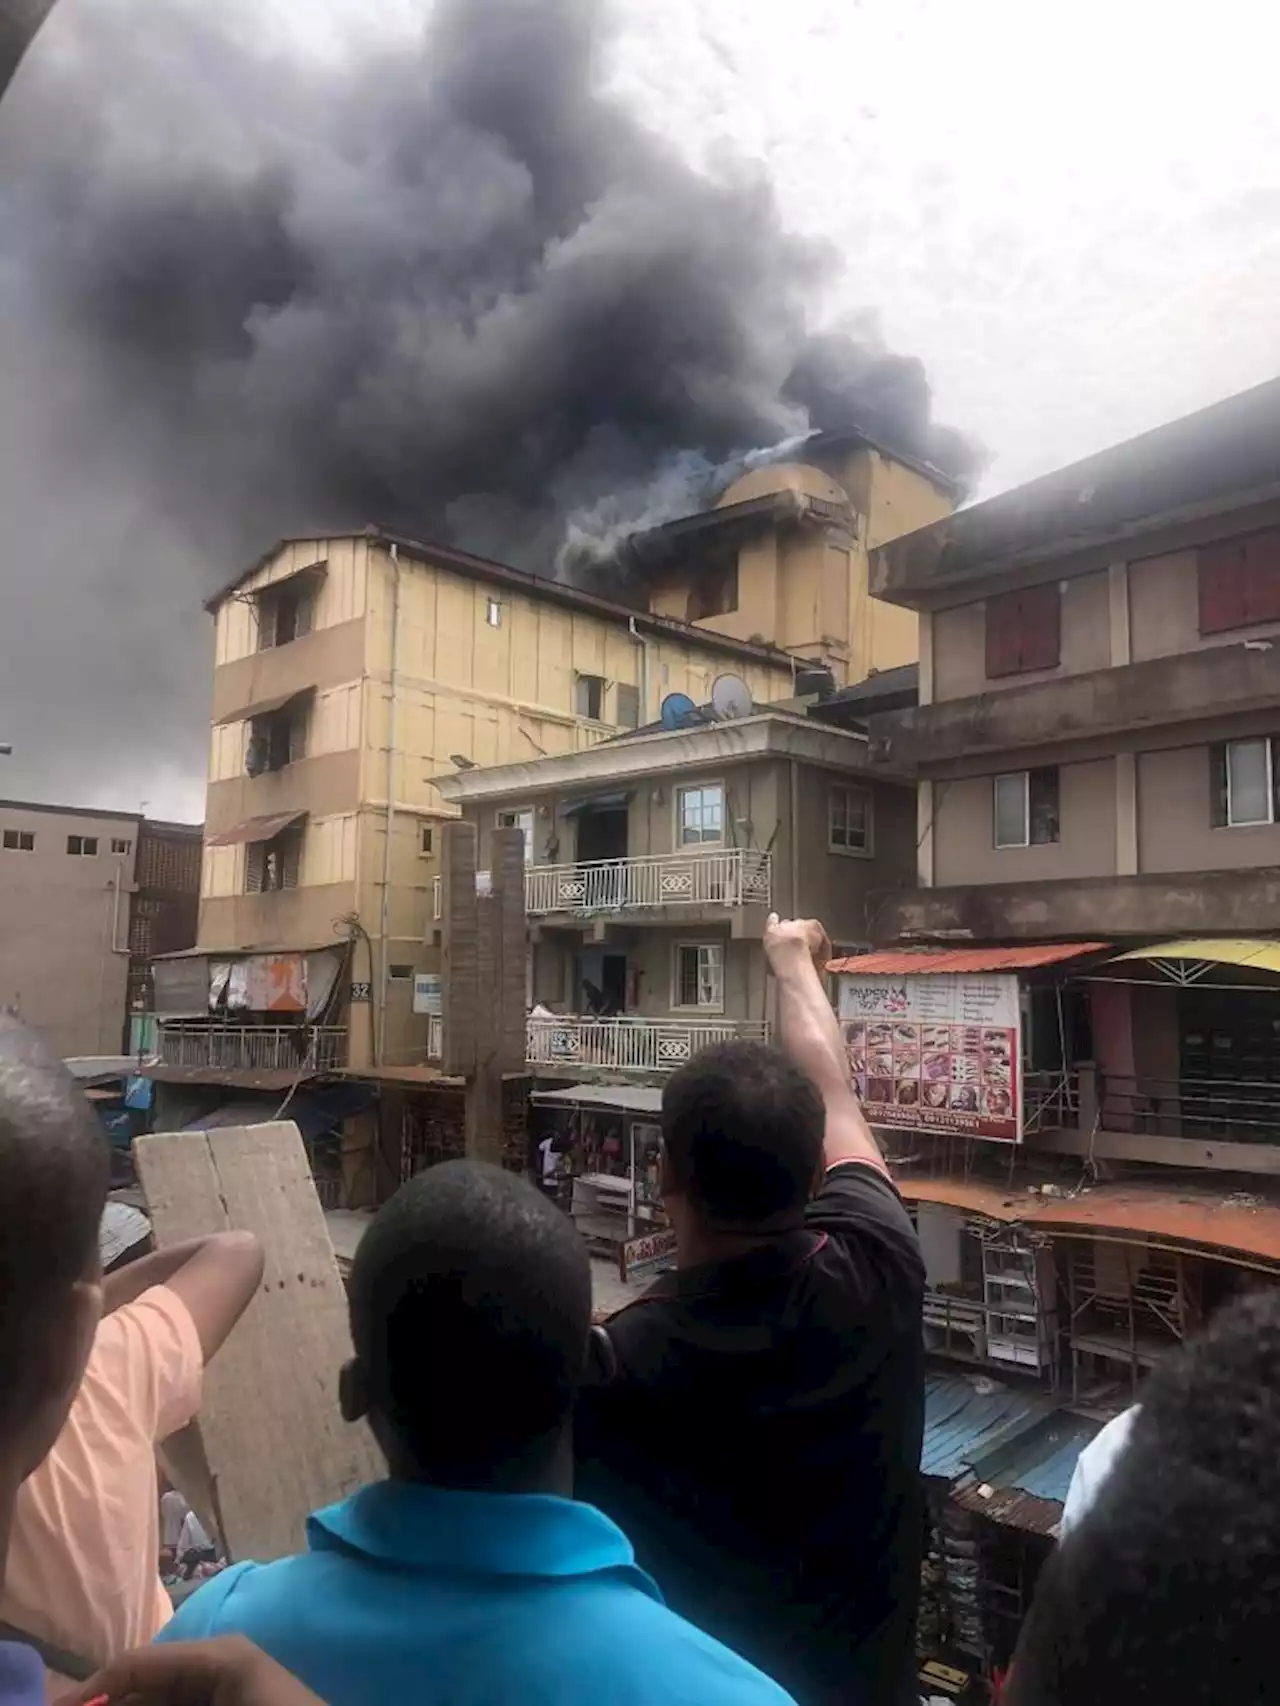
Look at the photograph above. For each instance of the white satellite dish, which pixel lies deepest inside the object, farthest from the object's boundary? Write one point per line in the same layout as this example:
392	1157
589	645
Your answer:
731	697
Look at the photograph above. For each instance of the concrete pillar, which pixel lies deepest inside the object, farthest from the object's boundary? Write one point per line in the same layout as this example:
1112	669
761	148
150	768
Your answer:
924	832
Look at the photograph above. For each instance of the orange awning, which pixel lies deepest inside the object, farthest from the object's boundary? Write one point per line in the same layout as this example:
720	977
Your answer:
256	829
1178	1214
922	961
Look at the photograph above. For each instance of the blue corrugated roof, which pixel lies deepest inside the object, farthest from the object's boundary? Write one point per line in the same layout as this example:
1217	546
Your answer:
1040	1461
966	1419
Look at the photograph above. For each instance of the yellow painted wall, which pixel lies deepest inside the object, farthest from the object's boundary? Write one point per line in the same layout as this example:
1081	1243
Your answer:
340	597
332	726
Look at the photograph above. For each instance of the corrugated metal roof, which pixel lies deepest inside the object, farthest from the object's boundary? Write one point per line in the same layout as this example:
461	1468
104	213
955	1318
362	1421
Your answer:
965	1418
121	1228
1183	1214
1024	1481
631	1098
922	961
255	829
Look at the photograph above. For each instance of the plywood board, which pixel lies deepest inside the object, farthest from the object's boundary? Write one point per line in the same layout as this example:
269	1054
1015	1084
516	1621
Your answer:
276	1444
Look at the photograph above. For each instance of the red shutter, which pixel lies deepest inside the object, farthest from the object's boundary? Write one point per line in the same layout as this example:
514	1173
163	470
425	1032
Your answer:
1041	626
1004	626
1262	577
1222	586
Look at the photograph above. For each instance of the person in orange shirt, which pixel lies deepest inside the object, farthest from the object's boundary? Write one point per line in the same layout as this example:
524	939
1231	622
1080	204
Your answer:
82	1579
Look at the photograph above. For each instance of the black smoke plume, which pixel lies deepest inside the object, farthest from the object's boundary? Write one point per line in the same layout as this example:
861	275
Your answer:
459	290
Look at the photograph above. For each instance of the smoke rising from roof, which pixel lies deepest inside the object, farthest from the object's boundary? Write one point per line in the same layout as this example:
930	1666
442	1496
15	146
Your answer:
458	291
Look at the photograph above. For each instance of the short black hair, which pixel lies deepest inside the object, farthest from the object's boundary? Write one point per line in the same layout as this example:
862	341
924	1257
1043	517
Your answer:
54	1170
743	1130
470	1311
1170	1587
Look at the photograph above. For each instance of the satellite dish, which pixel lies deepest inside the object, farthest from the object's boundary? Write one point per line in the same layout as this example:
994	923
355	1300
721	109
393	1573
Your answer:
677	710
731	697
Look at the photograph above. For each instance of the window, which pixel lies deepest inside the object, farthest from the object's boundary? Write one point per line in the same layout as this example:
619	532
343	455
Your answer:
1026	808
83	846
400	974
276	739
20	840
591	697
849	820
426	840
285	612
1024	630
715	592
699	976
119	846
1239	582
273	865
522	819
1244	778
699	814
493	612
628	706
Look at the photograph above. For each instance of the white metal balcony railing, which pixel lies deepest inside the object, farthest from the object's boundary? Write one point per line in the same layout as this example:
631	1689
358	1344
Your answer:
709	877
627	1044
252	1047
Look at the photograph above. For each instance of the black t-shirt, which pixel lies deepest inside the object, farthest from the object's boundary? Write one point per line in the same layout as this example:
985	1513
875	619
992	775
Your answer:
755	1427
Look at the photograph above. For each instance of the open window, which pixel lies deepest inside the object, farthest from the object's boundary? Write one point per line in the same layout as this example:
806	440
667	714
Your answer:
275	864
286	609
277	738
591	697
1026	808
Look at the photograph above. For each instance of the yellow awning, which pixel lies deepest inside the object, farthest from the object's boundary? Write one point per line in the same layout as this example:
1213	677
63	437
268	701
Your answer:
1216	950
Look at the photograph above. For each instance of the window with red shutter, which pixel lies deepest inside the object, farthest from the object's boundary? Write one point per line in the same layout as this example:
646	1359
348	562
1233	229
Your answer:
1262	577
1239	582
1024	630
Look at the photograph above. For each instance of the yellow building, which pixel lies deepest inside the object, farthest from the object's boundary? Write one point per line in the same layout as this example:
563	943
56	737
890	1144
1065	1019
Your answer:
347	672
783	556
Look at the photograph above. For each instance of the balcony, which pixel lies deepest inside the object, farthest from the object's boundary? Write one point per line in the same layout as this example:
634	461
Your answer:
253	1048
627	1044
728	877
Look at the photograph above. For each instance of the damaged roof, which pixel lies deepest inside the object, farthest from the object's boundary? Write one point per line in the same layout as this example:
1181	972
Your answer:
1220	458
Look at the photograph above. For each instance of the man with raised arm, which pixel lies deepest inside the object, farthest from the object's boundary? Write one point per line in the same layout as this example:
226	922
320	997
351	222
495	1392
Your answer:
754	1421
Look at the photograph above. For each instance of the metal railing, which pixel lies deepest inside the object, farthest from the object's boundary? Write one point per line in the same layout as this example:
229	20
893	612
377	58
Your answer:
628	1044
1050	1101
1245	1111
252	1047
709	877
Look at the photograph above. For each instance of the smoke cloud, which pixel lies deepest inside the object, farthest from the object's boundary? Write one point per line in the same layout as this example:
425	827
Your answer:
459	291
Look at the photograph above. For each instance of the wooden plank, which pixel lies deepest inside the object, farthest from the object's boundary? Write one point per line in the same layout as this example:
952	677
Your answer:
275	1442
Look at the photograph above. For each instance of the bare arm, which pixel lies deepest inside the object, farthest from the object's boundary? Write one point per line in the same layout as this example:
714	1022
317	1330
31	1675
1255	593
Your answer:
215	1277
810	1035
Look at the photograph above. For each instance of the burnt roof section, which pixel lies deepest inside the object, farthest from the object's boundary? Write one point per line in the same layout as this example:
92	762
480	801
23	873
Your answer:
896	689
1221	457
821	447
725	525
522	580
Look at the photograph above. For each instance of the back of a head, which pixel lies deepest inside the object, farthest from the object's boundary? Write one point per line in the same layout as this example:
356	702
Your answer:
470	1311
743	1131
1170	1588
54	1168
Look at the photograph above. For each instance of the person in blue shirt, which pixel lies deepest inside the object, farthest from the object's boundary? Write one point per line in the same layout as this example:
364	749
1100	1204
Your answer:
54	1167
470	1576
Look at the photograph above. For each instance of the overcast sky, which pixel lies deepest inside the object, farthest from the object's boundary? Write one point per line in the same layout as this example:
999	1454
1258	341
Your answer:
1071	214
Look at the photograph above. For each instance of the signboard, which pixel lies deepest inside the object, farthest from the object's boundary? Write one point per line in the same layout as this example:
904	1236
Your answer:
428	993
936	1052
652	1253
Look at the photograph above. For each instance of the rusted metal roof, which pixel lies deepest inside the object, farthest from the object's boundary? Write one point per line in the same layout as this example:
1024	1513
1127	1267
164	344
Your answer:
255	829
262	707
915	962
235	1078
1245	1223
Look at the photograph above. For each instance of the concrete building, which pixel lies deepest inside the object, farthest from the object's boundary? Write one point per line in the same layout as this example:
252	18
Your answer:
351	672
655	858
85	898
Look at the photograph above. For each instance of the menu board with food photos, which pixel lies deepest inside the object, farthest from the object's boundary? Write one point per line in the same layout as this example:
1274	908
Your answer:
936	1051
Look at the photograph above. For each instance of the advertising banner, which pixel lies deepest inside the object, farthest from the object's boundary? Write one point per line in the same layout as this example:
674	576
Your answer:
937	1052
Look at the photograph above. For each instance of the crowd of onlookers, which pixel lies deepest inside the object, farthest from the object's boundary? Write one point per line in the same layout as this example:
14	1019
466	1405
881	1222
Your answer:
712	1501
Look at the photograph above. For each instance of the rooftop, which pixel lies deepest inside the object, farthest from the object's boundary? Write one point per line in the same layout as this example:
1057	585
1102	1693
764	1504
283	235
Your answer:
1220	458
535	586
103	814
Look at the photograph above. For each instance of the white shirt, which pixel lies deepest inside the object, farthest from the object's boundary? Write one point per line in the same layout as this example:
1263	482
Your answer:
550	1160
193	1537
173	1513
1094	1464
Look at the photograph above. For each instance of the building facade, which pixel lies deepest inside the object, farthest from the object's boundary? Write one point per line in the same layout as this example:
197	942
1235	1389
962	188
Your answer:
653	861
84	896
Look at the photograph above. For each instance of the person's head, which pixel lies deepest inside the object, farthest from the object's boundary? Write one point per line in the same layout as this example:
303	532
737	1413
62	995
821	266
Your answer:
54	1169
742	1132
470	1312
1169	1590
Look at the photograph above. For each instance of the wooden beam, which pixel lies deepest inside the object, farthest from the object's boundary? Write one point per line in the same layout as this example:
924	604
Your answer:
276	1445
